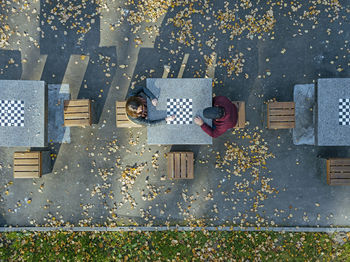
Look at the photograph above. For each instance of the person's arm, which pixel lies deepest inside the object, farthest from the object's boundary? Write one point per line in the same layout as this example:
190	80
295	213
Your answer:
146	122
148	93
137	90
212	132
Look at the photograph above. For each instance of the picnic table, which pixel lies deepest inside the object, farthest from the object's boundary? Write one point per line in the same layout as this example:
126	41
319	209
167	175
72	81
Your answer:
186	98
333	112
23	113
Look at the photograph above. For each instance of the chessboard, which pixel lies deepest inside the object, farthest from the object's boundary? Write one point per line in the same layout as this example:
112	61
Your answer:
11	113
182	109
344	111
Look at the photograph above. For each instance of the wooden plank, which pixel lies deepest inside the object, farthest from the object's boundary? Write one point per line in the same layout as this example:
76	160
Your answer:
339	182
26	175
76	109
339	161
183	169
328	164
282	125
340	169
26	168
26	154
177	165
282	105
122	117
23	161
334	175
282	118
77	116
284	112
90	116
190	165
76	122
120	104
78	102
40	164
170	166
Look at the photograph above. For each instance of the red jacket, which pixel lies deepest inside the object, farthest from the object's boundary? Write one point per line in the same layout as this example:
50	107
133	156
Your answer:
228	121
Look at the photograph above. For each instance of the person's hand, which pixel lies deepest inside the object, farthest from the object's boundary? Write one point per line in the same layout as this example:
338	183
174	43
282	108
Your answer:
198	121
155	102
170	118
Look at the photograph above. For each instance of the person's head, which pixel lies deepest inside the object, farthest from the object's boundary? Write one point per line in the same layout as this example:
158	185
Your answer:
215	112
134	106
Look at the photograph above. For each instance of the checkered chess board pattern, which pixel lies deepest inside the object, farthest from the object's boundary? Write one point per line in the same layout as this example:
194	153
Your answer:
344	111
11	113
182	109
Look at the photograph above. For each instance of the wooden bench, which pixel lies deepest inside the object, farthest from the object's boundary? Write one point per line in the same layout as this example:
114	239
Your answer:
241	114
338	171
122	119
77	112
280	115
180	165
27	165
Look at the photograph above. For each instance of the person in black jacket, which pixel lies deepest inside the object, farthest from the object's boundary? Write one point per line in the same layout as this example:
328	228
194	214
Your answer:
136	107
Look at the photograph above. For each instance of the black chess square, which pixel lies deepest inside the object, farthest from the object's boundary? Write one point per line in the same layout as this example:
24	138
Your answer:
11	113
344	111
182	109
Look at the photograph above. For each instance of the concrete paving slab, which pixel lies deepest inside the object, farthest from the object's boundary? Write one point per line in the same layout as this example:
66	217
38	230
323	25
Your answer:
85	187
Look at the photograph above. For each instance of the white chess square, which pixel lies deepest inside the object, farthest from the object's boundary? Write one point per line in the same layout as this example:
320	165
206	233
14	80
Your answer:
344	111
182	109
11	113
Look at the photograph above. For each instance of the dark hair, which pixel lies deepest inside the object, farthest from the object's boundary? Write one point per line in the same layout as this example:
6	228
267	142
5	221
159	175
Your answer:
131	106
215	112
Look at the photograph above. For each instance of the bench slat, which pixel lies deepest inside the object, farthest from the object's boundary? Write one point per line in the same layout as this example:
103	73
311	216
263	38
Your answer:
26	154
338	169
77	116
77	122
278	112
121	104
281	105
282	118
79	102
26	168
25	161
340	175
177	165
76	109
190	165
339	182
340	161
183	165
282	125
26	175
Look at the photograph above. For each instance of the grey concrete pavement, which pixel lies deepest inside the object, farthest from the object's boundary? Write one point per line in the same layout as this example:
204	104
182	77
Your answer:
110	176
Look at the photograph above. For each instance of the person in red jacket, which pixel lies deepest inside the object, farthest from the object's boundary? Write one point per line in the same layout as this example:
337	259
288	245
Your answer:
224	115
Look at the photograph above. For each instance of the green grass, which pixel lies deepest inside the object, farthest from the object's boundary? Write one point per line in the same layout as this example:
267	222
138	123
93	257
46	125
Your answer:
171	245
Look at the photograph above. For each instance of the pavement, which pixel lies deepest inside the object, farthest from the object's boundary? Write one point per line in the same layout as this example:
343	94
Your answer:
110	176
